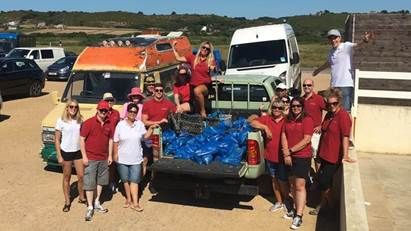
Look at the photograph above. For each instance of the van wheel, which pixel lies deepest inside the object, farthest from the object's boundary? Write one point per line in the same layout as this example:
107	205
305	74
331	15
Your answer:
35	89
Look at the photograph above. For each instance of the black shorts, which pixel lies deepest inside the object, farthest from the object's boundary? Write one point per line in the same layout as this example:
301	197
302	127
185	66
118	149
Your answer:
326	174
70	156
301	167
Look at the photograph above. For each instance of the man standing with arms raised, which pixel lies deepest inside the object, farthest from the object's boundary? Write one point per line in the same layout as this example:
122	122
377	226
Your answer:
96	145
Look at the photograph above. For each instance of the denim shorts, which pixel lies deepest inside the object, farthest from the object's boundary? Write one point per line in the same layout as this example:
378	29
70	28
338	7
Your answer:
95	173
277	170
129	173
348	95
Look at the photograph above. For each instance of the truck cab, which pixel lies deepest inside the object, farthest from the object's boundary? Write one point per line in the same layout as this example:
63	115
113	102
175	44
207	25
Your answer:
266	50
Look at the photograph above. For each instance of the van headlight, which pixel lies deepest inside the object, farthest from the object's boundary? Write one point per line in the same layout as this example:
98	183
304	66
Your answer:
283	75
47	135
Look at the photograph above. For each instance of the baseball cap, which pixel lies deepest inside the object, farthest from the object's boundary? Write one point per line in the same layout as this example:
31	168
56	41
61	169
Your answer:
107	96
103	105
281	86
333	32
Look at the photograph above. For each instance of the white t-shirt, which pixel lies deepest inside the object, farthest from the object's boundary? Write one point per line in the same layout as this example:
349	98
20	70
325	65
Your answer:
340	60
129	142
70	135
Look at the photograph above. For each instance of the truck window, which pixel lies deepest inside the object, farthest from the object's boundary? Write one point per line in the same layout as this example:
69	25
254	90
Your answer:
35	54
89	87
47	54
258	93
258	54
18	53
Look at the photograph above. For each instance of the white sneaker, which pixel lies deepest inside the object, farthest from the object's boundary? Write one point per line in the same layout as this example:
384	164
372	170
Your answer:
99	208
297	222
277	206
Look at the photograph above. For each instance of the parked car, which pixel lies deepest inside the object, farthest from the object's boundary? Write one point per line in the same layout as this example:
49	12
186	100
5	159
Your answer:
43	56
60	70
20	76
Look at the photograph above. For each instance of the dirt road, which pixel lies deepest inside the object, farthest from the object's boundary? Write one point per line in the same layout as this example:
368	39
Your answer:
32	196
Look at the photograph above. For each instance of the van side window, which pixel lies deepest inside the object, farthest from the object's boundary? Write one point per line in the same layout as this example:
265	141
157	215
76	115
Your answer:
47	54
163	46
258	93
35	54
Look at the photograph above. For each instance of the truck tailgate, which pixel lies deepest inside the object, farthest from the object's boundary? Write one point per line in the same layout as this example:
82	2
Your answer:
187	167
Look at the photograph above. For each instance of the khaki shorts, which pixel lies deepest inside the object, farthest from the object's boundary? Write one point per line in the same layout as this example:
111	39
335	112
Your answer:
96	173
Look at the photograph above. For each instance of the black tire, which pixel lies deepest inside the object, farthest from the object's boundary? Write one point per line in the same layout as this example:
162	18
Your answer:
35	89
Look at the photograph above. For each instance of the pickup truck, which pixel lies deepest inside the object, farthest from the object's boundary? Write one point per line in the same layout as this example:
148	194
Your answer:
238	95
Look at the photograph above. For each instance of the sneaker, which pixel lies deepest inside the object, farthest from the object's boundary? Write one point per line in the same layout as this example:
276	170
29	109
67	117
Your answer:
277	206
99	208
297	221
89	214
289	214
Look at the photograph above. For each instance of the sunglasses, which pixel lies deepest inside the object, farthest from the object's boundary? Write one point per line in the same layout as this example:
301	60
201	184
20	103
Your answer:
286	101
109	100
296	106
333	104
103	110
206	48
133	111
73	107
307	85
158	90
277	108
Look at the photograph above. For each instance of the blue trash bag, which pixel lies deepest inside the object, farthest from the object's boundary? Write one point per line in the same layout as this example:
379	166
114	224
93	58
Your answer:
205	154
234	157
171	148
168	136
186	152
240	137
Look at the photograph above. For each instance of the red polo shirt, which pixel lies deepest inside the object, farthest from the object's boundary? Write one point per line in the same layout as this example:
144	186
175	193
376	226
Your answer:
272	146
114	116
158	110
295	131
97	137
314	106
333	129
200	73
183	91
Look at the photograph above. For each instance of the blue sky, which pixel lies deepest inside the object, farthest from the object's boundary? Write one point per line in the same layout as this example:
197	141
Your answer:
232	8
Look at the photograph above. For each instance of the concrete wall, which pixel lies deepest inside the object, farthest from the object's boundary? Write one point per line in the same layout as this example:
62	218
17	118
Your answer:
383	129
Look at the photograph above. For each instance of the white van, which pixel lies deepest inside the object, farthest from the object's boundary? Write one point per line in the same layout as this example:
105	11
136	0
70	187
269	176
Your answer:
43	56
267	50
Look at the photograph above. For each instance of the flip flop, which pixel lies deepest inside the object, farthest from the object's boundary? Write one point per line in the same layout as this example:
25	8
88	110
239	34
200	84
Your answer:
126	205
137	208
66	208
80	201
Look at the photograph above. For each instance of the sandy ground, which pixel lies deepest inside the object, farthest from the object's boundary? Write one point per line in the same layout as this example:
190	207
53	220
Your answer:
32	196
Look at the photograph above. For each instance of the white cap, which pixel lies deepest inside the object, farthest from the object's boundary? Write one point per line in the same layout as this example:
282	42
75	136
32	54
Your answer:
333	32
108	95
281	86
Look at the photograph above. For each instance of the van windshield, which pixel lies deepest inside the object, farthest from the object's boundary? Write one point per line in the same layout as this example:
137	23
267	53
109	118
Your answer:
257	54
89	87
18	53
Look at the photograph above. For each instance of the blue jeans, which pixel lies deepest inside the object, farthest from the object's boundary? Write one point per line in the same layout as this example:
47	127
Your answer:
348	95
129	173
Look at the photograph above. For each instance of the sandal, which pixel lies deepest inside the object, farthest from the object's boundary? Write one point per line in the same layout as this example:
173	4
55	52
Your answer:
82	201
314	212
137	208
127	205
66	208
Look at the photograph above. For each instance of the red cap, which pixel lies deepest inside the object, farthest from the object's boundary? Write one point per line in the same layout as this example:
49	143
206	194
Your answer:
103	105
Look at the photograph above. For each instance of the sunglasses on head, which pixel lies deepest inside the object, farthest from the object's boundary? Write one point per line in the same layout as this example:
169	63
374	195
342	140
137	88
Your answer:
158	90
296	106
206	48
103	110
333	103
277	108
73	106
307	85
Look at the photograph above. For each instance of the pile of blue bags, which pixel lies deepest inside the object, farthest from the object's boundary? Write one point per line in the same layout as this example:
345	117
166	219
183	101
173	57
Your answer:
225	142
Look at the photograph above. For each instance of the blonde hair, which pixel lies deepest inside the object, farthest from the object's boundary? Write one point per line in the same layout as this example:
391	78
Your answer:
66	115
210	56
275	102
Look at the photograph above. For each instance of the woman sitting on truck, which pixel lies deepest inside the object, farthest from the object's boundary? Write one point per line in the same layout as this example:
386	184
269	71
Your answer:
67	143
181	89
296	144
201	65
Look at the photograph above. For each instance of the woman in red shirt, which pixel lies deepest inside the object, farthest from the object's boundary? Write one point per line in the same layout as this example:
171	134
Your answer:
333	147
201	65
296	144
182	90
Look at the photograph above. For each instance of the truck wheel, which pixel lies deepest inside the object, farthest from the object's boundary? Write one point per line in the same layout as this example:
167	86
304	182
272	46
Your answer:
35	89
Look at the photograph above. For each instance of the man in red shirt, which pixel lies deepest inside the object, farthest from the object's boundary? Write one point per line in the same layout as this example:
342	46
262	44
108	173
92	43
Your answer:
156	110
272	125
333	145
96	143
314	105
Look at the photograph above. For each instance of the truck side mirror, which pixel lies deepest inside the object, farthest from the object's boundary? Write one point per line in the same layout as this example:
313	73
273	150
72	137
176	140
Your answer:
31	57
296	58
